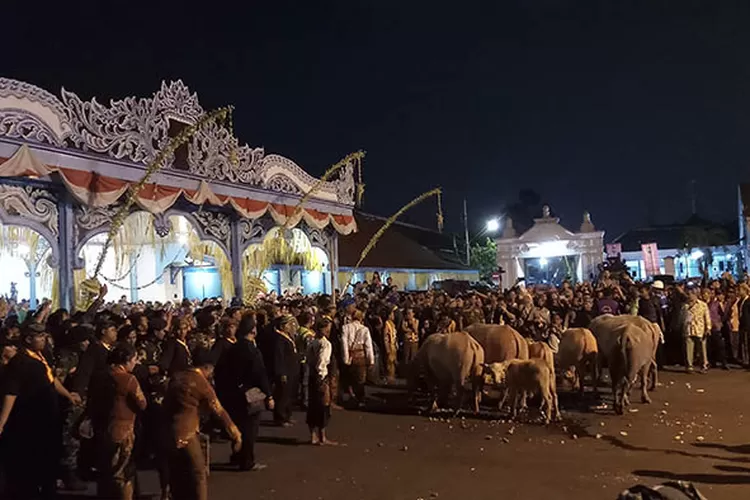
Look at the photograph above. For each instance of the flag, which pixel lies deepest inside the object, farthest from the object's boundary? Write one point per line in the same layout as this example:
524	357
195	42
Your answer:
650	258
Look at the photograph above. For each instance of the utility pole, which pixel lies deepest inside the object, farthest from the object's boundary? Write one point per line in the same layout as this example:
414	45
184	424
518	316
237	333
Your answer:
466	234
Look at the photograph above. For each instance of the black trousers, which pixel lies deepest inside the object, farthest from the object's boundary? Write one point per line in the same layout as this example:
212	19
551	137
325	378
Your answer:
248	426
718	351
283	395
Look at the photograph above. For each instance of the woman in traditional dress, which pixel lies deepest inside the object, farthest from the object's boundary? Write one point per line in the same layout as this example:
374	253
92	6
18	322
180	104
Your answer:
319	363
113	403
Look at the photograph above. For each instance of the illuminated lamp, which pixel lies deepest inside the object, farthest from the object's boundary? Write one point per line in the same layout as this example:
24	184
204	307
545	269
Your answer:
543	261
493	225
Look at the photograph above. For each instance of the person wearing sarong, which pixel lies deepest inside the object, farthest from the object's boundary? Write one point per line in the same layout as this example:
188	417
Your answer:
319	355
189	390
390	342
114	401
358	354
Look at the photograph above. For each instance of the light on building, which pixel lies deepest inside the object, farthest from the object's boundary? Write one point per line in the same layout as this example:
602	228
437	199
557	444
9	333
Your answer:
543	261
493	225
549	249
697	254
183	239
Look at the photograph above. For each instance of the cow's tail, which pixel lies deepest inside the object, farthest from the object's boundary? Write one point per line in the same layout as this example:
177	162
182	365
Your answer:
621	383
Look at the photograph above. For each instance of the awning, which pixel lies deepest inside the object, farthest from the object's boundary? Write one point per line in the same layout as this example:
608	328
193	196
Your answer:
96	190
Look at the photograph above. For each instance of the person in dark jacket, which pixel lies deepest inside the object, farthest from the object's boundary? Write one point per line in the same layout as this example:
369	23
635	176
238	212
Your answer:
227	338
93	361
649	306
176	355
239	370
285	369
29	414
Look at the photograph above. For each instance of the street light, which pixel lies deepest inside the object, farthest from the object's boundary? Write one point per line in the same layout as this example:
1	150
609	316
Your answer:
493	225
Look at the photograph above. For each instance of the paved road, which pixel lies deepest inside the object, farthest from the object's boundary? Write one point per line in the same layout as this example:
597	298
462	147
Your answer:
695	430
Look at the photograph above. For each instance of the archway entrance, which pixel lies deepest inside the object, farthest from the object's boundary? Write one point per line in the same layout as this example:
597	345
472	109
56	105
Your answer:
290	267
159	264
27	276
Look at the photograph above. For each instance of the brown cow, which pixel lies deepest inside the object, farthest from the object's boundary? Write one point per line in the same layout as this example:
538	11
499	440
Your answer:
523	377
577	355
500	342
448	360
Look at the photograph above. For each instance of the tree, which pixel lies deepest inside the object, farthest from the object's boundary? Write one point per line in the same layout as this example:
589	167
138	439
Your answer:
484	258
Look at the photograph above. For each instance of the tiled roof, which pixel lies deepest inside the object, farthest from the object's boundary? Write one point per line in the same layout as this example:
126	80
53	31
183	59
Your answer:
402	246
693	232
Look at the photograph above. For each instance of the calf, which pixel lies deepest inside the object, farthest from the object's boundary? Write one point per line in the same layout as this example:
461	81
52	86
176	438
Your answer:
523	377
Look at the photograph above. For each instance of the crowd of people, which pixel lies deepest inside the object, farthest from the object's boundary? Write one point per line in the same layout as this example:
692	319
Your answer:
122	386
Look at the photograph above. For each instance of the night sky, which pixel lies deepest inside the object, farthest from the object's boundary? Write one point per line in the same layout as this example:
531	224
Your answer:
595	105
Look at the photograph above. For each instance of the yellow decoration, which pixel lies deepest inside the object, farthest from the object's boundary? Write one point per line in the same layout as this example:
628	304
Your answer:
280	246
422	281
440	212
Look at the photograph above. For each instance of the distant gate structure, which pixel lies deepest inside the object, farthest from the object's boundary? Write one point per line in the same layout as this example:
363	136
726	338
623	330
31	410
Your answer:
66	164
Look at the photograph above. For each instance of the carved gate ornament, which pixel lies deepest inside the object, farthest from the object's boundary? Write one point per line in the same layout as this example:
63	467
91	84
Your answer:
215	226
32	204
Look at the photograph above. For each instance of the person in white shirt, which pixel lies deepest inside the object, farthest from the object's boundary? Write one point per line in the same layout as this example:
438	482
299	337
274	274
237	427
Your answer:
319	396
358	354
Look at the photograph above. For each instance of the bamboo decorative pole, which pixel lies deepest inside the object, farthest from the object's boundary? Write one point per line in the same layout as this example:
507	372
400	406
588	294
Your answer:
388	223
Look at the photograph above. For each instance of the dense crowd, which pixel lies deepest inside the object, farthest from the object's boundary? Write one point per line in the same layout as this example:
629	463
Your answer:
122	386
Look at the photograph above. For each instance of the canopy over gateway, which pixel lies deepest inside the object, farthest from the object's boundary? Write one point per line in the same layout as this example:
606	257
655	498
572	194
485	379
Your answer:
99	151
548	253
66	166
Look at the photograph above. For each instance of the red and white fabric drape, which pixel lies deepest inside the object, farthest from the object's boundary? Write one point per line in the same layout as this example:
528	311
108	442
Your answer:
97	190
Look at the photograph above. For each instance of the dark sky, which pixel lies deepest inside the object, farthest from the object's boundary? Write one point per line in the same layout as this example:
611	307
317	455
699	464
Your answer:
607	106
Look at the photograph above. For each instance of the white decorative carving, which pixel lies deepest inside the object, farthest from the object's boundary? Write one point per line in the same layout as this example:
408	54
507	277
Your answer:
20	125
215	225
282	184
250	230
215	154
21	110
318	237
30	203
88	218
136	129
345	187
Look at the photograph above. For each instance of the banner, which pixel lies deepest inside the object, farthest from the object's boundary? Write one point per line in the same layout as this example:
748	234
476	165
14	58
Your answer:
614	250
650	259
